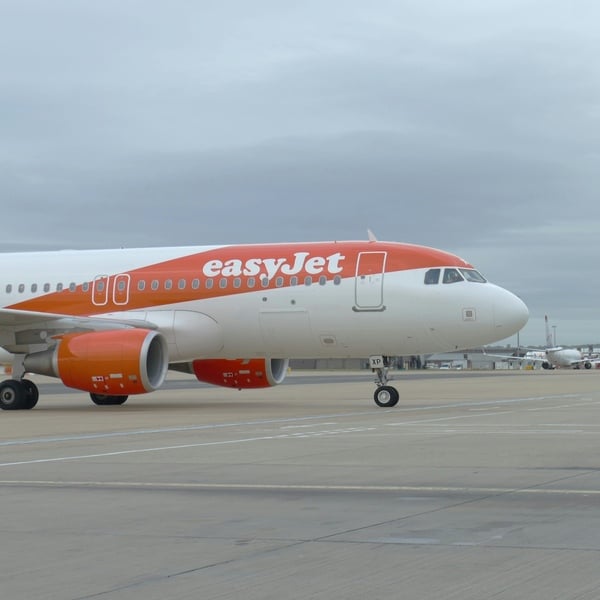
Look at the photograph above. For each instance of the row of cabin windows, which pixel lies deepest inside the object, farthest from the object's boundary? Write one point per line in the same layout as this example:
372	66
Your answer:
46	287
167	284
224	283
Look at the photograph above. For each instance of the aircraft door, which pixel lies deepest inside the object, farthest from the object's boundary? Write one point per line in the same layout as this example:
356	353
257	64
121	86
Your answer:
370	268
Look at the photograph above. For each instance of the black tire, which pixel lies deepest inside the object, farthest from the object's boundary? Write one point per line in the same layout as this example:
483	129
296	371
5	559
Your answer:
587	364
13	395
106	400
386	396
32	393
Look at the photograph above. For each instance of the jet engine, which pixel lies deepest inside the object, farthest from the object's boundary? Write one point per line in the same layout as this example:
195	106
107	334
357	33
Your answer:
241	373
117	362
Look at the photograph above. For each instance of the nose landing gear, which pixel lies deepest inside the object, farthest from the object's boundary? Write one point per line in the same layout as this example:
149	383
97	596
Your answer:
385	395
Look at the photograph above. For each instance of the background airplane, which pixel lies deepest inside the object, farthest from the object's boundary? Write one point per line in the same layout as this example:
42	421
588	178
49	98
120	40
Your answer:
553	356
112	322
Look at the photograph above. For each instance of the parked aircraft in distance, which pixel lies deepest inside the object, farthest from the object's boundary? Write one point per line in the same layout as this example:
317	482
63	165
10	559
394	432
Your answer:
553	356
112	322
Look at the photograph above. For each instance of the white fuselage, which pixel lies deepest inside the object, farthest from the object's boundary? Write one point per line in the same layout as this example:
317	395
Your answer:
564	357
293	301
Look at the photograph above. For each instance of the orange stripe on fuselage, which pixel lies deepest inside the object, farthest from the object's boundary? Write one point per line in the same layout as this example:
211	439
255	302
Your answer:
229	263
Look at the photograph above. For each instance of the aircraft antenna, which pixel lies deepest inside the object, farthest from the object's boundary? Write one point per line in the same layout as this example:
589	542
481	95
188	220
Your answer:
371	235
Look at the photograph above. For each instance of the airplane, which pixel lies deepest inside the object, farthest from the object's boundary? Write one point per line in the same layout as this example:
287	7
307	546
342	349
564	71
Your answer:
554	356
113	322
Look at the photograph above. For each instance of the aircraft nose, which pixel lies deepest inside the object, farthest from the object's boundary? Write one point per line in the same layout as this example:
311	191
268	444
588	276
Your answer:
510	313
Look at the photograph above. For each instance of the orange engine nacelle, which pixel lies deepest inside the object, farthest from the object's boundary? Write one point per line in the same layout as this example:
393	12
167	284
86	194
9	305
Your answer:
118	362
241	373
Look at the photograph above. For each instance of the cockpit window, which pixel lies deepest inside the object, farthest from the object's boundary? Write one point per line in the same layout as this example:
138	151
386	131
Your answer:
432	276
473	275
452	276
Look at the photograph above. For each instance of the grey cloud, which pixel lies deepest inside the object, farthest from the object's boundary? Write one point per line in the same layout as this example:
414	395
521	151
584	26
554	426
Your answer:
471	127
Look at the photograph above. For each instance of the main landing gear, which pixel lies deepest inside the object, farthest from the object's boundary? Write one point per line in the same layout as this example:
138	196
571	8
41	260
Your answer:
23	394
18	394
105	400
385	395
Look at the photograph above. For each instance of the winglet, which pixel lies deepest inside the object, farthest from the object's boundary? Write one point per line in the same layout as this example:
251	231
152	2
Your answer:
371	235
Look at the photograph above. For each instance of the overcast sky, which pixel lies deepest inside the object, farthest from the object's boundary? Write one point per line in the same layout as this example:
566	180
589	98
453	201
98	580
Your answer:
472	126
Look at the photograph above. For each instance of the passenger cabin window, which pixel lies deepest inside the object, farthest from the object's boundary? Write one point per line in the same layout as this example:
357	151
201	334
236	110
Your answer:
473	275
452	276
432	276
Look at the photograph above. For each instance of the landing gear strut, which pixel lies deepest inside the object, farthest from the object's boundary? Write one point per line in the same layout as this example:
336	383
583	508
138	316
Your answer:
385	395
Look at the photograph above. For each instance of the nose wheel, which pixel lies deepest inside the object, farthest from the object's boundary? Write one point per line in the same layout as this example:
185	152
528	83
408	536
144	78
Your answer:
386	396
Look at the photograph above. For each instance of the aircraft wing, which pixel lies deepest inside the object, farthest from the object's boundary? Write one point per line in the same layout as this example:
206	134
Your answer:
584	361
511	357
23	321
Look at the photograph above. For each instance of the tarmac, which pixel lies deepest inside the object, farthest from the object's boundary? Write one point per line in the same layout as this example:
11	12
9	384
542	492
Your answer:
477	485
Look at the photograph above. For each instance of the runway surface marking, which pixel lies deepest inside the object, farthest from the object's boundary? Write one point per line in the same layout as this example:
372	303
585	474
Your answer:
302	487
433	425
379	411
179	429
